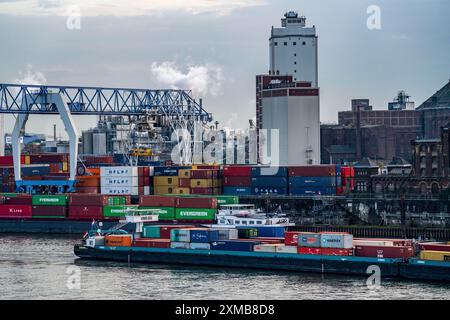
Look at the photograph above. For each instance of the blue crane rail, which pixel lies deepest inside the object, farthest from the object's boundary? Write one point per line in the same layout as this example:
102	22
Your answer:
34	99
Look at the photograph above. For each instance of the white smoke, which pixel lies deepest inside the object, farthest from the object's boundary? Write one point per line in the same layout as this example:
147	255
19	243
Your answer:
201	79
31	77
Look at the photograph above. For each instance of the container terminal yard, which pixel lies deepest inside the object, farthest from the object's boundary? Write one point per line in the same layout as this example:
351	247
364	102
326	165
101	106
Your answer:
159	182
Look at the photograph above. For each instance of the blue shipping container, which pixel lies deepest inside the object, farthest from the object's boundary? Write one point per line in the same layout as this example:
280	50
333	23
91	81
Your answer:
302	182
269	171
168	171
237	190
270	181
311	240
340	241
35	170
312	191
234	245
204	236
269	190
271	231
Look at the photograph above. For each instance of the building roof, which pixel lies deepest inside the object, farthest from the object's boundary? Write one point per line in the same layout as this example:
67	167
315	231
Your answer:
340	149
398	161
441	99
369	163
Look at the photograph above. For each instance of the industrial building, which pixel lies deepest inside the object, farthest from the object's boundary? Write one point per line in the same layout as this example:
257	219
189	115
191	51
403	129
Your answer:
287	99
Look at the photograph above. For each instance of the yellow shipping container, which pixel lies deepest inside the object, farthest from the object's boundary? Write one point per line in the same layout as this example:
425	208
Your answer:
65	167
183	191
184	173
164	190
217	183
165	181
435	255
202	183
27	159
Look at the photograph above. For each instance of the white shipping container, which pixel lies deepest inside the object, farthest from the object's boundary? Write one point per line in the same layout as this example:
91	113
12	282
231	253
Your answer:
180	245
120	190
378	243
227	233
201	246
336	240
286	249
266	247
180	235
119	181
151	171
118	171
146	191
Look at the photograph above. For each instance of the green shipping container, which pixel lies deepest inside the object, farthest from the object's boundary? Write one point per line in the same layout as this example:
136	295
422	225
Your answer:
164	213
151	232
116	201
116	211
10	195
223	200
195	214
247	233
49	200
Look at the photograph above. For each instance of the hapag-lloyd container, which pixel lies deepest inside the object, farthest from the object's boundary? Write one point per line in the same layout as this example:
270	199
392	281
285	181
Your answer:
120	190
119	171
119	181
309	239
49	200
203	235
336	240
286	249
180	235
15	211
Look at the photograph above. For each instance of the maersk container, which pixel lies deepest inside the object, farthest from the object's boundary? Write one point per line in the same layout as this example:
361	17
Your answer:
180	245
125	171
233	245
151	231
204	235
269	190
271	231
164	213
306	182
264	171
273	182
200	246
49	200
309	239
312	191
227	234
180	235
195	214
237	190
336	240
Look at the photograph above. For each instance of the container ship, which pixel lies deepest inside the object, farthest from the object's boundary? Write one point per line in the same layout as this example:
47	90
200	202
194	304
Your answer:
258	242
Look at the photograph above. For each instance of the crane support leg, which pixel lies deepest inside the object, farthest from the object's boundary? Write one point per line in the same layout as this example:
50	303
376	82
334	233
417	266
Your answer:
19	127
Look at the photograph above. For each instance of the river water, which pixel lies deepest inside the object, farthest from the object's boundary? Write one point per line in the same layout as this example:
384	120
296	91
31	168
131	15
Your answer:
44	267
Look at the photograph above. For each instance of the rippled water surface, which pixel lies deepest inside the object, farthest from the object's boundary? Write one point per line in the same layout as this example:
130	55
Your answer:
41	267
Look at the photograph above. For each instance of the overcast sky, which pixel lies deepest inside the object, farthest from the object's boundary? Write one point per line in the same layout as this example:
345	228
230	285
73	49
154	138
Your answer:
216	47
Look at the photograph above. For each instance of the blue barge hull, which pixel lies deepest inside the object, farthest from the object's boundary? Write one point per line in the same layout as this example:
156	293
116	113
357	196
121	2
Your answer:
255	260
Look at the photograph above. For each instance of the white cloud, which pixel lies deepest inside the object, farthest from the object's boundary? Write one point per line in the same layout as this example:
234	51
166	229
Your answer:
201	79
31	77
124	7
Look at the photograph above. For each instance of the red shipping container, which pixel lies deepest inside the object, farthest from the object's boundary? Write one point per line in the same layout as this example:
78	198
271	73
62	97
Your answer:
87	190
94	199
8	161
49	211
48	158
307	250
157	201
85	212
237	171
395	242
203	174
312	171
203	203
434	246
203	191
152	243
15	211
291	238
397	252
208	167
267	240
184	182
336	252
237	181
19	200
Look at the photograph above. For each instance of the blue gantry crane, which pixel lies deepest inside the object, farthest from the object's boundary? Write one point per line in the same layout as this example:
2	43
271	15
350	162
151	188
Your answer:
25	100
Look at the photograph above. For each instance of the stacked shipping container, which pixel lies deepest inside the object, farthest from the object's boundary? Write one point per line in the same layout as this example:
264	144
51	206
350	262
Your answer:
237	180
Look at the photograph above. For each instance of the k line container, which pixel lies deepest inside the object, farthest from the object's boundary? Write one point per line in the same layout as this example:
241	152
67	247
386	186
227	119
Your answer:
336	240
15	211
195	214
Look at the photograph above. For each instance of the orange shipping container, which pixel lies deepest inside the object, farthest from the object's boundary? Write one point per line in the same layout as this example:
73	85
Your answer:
88	181
118	240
